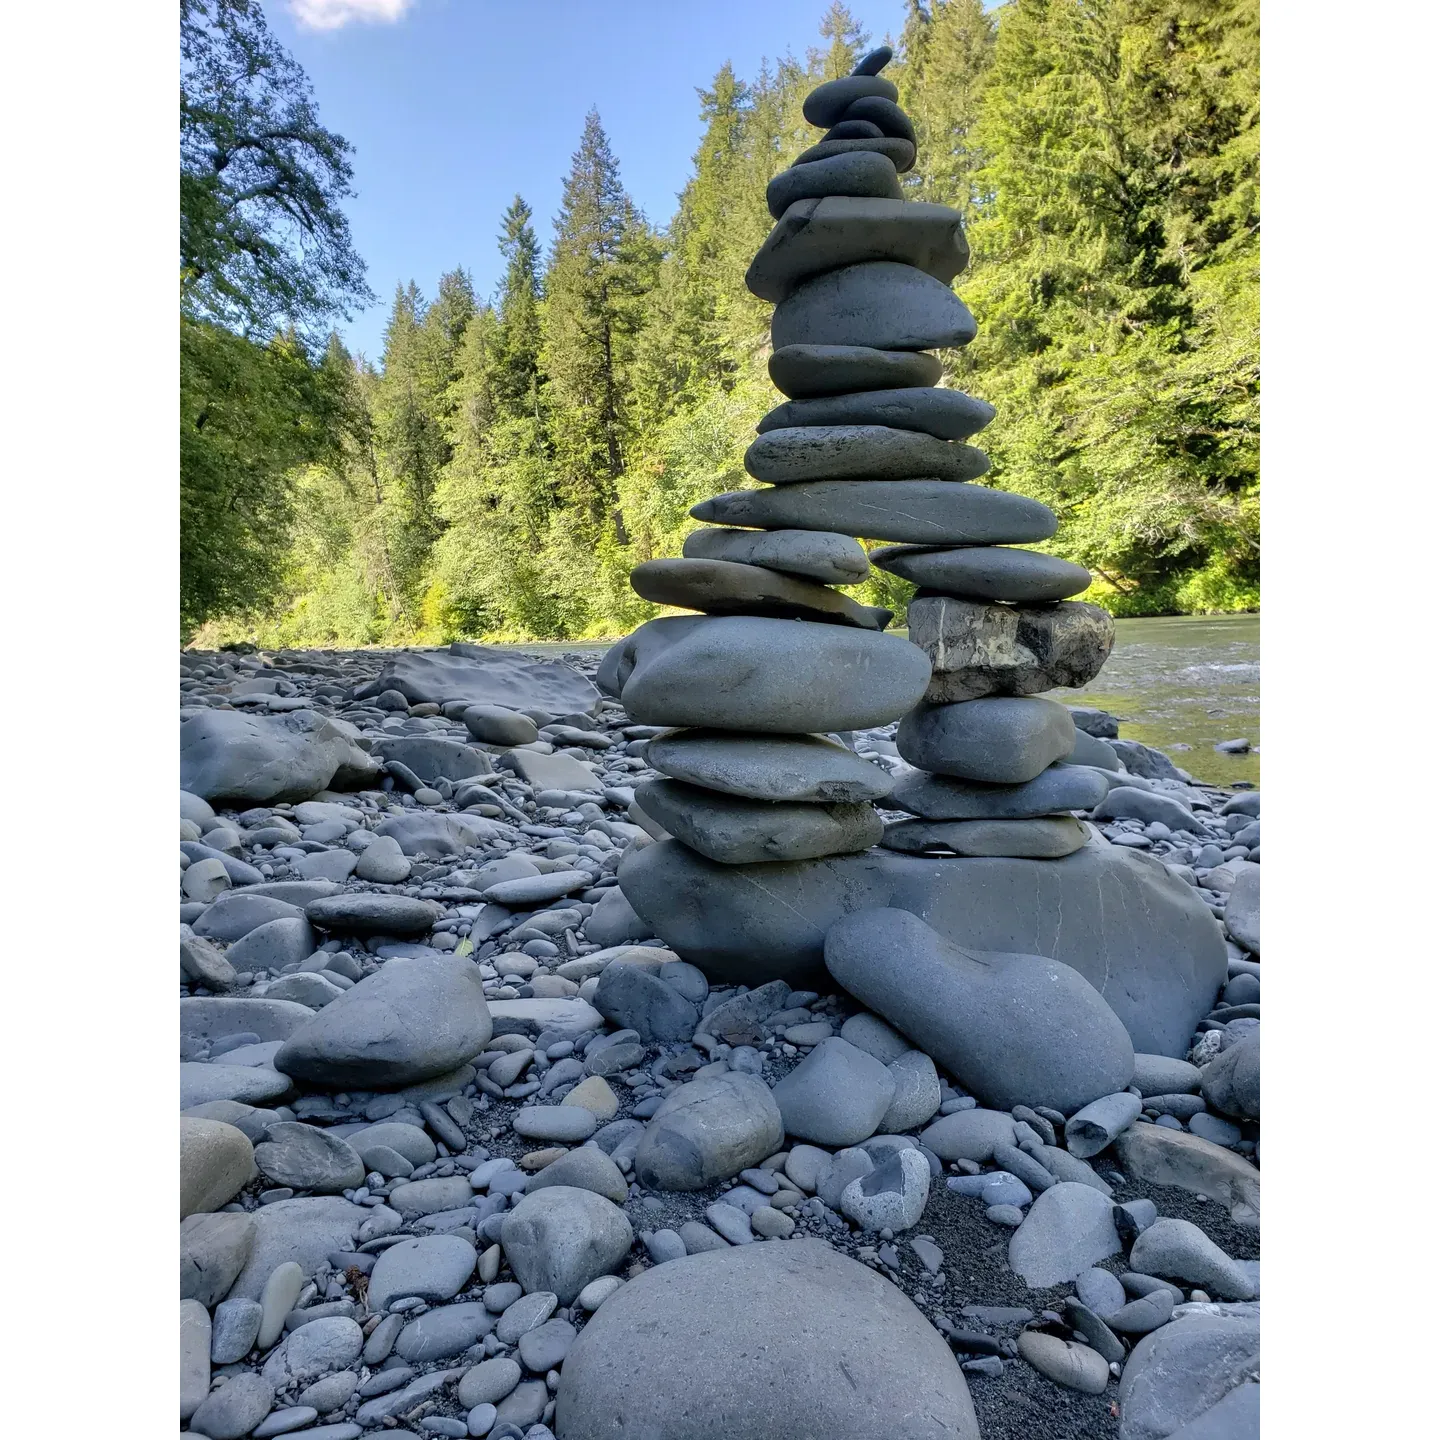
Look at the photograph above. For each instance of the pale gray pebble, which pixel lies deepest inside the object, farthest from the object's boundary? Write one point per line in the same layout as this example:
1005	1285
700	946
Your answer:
663	1245
731	1222
1010	1215
1100	1291
234	1327
281	1422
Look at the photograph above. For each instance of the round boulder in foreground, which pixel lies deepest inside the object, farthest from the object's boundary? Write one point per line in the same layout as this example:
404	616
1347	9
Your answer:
781	1338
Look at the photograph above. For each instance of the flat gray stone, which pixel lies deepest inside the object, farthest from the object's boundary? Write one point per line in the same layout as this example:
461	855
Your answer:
977	648
759	1341
309	1158
735	830
821	234
837	1095
1137	933
431	834
830	559
1066	1362
1001	739
947	797
530	890
985	572
856	172
411	1021
859	452
586	1168
775	676
1013	1029
433	1267
769	767
498	725
880	304
359	913
551	772
917	1092
441	1333
227	755
811	371
489	1382
1177	1374
1242	908
235	1408
1067	1230
568	1016
726	587
487	675
213	1250
560	1239
236	913
1162	1156
249	1084
709	1130
943	413
432	757
302	1230
206	1017
826	103
1160	1075
567	1124
937	511
1041	838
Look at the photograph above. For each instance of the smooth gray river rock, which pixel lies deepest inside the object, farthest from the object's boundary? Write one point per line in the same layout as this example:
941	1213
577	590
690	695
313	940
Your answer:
748	1343
725	587
769	767
946	414
1180	1372
1137	933
860	173
810	371
977	648
1001	739
879	304
304	1230
561	1238
227	755
826	103
836	1096
938	511
1161	1156
1177	1249
947	797
815	555
775	676
734	830
817	235
984	572
1231	1083
1068	1229
1013	1029
859	452
1041	838
709	1130
488	675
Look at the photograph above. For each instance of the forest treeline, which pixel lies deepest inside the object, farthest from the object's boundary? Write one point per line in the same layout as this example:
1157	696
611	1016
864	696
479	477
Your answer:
501	466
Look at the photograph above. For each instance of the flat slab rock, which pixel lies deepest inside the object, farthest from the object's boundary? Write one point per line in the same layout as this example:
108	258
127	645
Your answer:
768	767
485	675
806	371
727	587
815	555
859	452
225	755
1045	837
1140	935
863	173
984	572
946	797
945	414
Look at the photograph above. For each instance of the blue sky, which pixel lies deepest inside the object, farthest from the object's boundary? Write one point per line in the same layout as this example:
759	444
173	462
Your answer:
455	105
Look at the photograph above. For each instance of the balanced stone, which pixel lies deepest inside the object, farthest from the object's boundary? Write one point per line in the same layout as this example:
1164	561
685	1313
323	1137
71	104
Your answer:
884	114
880	303
830	559
758	1341
1138	933
826	103
751	673
734	830
825	234
945	797
770	767
412	1020
725	587
853	172
980	572
875	61
1043	838
945	414
811	371
979	649
901	153
940	511
859	452
853	130
1000	739
1013	1029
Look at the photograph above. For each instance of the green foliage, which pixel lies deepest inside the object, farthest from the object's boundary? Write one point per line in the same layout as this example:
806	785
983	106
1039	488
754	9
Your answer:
510	460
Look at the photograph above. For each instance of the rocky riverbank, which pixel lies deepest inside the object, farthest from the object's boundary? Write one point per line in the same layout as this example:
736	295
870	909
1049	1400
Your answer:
467	1150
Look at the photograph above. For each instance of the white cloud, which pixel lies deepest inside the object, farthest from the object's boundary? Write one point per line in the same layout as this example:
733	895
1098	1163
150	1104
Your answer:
332	14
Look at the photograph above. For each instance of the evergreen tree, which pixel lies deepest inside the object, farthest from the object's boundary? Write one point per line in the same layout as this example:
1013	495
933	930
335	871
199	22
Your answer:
516	361
848	41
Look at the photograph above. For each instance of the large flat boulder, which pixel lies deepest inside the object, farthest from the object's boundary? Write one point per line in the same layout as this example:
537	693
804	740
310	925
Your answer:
760	1341
1139	935
485	675
227	755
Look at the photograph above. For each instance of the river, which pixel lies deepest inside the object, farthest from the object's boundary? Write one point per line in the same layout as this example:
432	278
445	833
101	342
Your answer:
1178	682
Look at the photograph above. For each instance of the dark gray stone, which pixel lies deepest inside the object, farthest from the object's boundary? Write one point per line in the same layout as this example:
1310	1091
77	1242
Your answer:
735	830
361	913
1013	1029
946	414
235	914
411	1021
985	572
1139	934
830	559
1178	1373
1130	802
760	1341
227	755
859	452
940	511
880	304
632	998
810	371
234	1409
725	587
560	1239
874	62
709	1130
836	1096
946	797
444	1332
498	725
817	235
1001	739
769	767
827	103
1041	838
901	153
431	757
883	113
977	648
775	676
486	675
853	172
309	1158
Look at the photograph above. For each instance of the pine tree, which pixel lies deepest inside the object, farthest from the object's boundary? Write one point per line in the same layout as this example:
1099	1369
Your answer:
516	357
848	41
